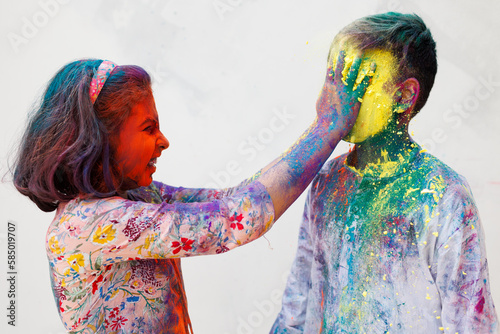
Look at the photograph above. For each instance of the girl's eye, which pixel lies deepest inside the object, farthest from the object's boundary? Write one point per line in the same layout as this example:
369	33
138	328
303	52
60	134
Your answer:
149	128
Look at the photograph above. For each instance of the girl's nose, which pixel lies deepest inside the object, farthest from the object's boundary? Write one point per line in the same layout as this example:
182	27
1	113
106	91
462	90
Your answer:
163	142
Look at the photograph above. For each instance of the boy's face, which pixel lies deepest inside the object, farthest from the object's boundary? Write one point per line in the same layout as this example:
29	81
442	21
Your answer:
377	106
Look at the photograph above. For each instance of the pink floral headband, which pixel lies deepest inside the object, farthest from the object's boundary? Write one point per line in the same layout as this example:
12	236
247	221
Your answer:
100	77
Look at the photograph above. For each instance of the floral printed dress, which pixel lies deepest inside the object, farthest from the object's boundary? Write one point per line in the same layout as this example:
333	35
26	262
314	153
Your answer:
115	264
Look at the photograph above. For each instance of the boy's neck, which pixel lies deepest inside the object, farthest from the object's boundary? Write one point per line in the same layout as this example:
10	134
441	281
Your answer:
390	145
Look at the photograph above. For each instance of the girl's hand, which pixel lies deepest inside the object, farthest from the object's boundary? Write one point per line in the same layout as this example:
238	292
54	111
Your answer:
338	104
337	108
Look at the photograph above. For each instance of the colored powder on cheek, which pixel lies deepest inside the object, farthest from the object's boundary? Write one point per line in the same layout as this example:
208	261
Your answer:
376	108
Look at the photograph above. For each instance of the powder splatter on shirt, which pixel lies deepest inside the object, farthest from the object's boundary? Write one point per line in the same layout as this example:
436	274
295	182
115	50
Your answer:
398	250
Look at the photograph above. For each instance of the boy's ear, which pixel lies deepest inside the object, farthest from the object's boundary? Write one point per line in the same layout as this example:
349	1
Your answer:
406	96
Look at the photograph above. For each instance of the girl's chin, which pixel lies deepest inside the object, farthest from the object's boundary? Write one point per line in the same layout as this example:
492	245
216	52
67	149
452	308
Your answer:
146	181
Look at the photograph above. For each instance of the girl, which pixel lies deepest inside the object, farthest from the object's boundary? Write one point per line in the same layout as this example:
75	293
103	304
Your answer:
89	152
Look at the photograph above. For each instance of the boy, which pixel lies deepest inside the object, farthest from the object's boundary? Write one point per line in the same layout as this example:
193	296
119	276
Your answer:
391	240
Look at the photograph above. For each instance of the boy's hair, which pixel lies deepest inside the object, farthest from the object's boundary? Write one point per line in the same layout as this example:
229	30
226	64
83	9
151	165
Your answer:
65	150
407	38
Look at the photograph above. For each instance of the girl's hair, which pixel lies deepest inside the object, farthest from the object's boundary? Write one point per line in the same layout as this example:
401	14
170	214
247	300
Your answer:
65	150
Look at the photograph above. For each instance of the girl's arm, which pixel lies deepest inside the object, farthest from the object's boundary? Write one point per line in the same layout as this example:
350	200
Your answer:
337	108
287	176
105	231
114	229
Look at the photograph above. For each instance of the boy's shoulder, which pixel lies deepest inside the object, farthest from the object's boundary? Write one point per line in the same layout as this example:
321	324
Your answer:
432	170
425	169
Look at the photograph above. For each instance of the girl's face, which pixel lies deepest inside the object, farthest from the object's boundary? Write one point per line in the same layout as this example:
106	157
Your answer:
138	144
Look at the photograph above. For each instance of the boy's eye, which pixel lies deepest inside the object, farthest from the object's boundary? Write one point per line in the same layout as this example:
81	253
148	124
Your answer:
149	128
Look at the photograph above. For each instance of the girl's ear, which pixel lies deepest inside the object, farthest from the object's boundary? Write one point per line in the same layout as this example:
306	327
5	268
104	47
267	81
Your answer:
406	96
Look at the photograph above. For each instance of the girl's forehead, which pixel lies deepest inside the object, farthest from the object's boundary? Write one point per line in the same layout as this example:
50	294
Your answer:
145	109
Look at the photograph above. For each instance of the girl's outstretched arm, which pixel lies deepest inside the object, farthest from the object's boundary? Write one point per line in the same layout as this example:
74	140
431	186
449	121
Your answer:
287	176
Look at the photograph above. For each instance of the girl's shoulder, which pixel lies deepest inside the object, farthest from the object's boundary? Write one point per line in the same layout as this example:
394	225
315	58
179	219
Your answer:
79	217
80	211
90	204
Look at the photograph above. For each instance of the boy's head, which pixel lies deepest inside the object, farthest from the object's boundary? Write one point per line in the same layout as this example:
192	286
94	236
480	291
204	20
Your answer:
403	48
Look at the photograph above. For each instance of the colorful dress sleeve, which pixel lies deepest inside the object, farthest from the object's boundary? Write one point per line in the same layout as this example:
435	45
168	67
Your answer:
460	268
158	192
292	317
191	195
99	232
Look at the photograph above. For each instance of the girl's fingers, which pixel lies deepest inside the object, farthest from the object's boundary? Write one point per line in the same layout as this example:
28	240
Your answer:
361	89
340	66
353	72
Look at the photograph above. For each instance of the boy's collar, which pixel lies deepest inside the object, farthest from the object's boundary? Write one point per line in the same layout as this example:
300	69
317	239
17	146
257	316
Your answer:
388	168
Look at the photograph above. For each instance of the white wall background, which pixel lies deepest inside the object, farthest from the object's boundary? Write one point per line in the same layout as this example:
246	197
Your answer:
223	70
